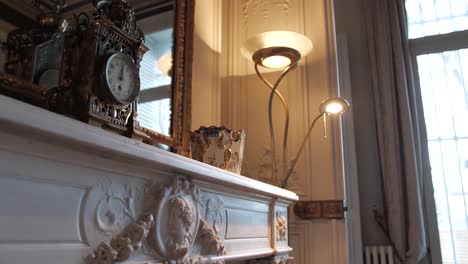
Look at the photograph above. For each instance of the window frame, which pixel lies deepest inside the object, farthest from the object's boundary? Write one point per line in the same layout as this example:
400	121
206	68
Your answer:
420	46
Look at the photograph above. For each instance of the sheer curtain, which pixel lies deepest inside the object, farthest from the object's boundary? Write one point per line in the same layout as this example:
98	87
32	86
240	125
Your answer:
400	130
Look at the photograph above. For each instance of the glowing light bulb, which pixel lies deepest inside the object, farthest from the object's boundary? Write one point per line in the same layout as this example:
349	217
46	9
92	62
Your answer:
334	108
276	62
276	49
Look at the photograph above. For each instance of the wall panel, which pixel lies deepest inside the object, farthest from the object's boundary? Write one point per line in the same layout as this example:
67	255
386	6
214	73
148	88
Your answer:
318	174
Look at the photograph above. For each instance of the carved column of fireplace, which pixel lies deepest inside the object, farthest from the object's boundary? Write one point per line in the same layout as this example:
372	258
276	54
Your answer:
71	193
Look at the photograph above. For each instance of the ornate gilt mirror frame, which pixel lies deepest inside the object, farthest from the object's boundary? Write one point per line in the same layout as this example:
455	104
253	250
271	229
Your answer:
178	140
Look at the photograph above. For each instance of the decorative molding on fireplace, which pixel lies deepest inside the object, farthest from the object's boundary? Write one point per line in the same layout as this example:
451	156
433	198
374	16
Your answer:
87	195
281	226
168	229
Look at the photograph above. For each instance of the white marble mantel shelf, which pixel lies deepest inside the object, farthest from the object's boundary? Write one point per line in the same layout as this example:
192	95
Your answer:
66	188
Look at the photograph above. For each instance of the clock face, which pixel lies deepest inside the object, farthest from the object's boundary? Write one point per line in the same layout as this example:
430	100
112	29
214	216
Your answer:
122	78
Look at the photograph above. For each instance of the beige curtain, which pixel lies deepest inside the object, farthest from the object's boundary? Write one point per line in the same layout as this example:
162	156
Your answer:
401	131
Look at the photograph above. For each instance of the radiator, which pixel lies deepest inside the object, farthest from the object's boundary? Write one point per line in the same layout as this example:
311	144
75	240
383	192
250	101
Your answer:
378	255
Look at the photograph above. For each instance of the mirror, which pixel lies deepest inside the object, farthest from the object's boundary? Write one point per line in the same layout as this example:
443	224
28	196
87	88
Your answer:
154	104
161	114
156	74
164	102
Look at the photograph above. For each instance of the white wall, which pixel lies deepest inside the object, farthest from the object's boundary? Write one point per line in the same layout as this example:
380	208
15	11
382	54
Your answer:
206	81
226	91
245	102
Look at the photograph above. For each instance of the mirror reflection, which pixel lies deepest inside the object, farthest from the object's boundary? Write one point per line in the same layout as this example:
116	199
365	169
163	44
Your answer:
155	18
154	104
79	85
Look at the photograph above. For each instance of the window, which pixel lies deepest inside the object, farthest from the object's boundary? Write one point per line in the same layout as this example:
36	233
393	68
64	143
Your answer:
434	17
438	32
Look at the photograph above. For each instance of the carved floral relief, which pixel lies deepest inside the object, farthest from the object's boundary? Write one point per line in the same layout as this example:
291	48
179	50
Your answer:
281	226
122	246
172	226
285	260
116	208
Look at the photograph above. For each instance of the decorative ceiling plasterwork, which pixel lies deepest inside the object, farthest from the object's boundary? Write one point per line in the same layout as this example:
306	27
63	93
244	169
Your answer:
178	224
263	8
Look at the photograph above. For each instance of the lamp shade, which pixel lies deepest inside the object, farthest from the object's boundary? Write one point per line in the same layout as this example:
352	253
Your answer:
277	49
165	63
334	106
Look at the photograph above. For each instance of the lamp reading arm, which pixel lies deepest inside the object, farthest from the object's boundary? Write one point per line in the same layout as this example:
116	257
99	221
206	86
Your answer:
331	106
294	162
324	125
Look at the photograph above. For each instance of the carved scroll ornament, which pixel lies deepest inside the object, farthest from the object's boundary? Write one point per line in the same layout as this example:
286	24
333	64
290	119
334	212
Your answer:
168	230
213	213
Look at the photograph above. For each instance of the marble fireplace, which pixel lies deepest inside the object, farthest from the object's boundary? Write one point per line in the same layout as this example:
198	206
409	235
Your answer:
73	193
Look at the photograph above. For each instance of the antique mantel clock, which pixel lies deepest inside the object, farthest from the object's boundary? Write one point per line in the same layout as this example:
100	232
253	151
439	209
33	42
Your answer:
89	71
106	78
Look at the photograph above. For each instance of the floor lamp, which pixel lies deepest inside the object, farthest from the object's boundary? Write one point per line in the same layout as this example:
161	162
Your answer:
283	50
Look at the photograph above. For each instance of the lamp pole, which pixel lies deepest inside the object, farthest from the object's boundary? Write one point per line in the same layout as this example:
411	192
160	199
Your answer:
274	90
286	173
